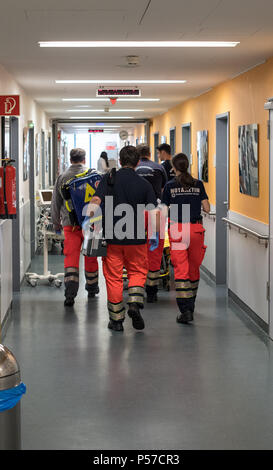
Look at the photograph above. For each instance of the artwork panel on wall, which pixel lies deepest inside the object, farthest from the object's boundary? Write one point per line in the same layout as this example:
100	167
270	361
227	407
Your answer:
203	156
248	160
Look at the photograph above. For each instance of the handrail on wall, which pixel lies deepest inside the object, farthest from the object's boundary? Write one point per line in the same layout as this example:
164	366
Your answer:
247	231
211	214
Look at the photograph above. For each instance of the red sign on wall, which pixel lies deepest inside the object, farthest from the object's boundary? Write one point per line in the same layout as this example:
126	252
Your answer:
9	105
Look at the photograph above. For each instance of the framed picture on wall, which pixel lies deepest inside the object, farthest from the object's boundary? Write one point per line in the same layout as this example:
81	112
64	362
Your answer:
203	156
25	153
248	160
37	152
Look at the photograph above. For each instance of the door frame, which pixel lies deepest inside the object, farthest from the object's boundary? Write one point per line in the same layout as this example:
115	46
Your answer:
269	107
43	144
14	151
187	125
155	152
32	190
223	278
173	151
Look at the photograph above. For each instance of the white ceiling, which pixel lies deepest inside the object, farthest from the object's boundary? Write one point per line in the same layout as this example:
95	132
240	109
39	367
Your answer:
25	22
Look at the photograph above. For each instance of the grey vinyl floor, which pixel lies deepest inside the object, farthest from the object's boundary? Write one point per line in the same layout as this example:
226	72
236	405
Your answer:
204	386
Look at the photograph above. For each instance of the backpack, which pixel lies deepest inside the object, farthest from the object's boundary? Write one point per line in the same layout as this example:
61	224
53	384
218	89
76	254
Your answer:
78	192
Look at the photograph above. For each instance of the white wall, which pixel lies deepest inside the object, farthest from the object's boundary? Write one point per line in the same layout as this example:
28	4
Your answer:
5	266
248	265
248	262
30	111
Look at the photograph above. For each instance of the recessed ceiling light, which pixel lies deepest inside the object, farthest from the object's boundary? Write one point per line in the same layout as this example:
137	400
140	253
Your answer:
102	110
101	117
108	99
84	82
138	44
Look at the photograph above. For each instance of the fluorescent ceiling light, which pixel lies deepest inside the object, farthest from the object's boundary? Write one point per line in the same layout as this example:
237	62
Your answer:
138	44
102	110
170	82
108	99
101	117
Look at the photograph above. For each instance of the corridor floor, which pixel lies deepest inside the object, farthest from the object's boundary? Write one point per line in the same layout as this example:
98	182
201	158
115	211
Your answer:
204	386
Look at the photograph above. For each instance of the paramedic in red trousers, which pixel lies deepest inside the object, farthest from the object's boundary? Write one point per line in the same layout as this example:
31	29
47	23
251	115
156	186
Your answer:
165	156
157	176
125	195
185	196
73	236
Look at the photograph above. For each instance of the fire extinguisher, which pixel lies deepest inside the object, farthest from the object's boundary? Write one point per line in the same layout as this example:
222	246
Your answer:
7	189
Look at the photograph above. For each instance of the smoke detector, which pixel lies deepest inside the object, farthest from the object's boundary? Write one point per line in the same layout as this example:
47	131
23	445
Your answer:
131	62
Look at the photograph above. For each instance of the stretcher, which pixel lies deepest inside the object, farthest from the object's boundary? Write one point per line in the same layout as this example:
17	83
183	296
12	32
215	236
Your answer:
47	236
32	278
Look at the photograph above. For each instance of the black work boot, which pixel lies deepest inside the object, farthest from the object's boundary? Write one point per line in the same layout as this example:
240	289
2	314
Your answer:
92	293
115	325
71	283
69	302
151	292
134	314
151	298
185	317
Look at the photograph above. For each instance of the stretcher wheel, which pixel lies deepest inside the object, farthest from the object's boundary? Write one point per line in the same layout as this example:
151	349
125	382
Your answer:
33	282
58	283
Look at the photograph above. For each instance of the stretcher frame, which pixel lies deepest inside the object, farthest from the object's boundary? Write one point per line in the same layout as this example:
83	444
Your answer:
32	278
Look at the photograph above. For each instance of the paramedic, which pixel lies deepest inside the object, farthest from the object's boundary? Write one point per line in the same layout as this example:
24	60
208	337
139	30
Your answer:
157	176
126	190
184	196
73	236
164	155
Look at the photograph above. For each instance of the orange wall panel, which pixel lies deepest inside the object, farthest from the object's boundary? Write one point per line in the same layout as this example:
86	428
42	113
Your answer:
244	98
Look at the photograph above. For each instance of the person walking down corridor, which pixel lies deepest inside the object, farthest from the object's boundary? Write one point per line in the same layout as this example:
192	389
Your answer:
165	156
73	236
128	194
156	175
103	163
185	196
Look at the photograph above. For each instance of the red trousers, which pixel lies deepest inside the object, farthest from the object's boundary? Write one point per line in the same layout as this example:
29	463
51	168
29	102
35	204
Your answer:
134	259
187	253
73	238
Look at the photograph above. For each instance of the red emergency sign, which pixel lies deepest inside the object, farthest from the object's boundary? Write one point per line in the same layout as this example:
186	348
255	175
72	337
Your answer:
111	147
9	105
